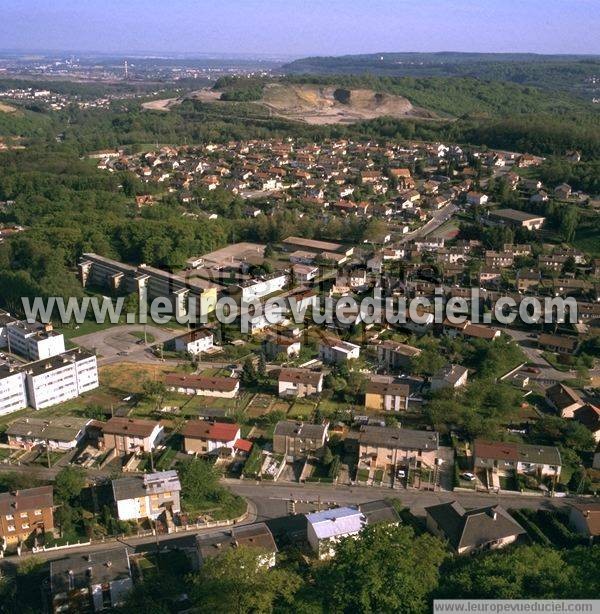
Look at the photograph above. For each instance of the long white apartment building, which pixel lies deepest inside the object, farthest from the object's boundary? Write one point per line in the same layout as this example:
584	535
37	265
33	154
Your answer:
60	378
13	391
33	341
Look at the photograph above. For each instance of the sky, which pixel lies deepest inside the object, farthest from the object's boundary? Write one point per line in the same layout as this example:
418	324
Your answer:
301	27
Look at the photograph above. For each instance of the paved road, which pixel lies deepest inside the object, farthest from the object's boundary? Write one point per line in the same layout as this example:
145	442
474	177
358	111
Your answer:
271	499
112	342
534	355
439	217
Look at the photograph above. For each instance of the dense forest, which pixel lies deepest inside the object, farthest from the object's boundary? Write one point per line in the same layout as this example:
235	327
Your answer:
558	72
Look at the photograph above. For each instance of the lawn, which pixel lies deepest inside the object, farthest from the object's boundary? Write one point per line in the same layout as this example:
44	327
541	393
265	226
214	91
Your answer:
587	241
301	410
378	475
362	475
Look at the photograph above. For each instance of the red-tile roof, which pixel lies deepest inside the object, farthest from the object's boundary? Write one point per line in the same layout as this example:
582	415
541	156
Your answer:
243	444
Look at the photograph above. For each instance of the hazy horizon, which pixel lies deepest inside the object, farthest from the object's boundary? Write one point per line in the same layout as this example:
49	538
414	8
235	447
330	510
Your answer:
313	27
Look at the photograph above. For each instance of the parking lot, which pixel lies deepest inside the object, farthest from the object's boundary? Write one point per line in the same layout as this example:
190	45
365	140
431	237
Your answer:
120	342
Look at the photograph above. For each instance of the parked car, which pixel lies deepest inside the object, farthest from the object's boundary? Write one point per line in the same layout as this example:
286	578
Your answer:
467	476
401	473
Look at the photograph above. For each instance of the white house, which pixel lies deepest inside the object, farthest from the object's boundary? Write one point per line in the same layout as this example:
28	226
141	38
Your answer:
147	496
202	385
34	341
335	351
325	529
450	376
195	342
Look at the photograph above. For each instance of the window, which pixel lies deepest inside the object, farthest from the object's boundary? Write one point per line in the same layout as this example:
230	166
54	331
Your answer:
11	527
23	514
38	512
25	526
9	516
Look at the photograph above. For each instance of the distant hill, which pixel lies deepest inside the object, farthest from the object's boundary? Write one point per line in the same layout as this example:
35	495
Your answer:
566	72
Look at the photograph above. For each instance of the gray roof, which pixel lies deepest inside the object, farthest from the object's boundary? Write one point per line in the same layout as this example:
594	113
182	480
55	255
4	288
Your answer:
79	570
148	484
292	428
451	373
62	428
379	511
393	437
255	535
473	528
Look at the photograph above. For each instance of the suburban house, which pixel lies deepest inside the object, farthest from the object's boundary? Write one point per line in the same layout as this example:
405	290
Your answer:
393	355
450	376
60	433
90	582
335	351
484	528
297	440
477	198
522	458
325	529
276	345
255	535
147	496
299	382
585	518
589	416
379	511
204	437
386	447
128	435
26	512
385	394
194	342
203	385
564	400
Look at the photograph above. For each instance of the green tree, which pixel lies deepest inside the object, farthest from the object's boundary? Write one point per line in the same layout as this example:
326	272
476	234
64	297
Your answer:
355	580
69	483
237	581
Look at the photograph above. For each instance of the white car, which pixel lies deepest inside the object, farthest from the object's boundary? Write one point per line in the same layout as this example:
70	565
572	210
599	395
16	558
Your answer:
401	473
467	476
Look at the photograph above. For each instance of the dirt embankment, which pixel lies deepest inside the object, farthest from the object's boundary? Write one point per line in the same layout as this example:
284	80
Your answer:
315	104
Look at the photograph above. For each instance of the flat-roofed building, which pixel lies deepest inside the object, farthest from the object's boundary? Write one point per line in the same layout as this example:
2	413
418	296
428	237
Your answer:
34	341
60	378
317	246
13	390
